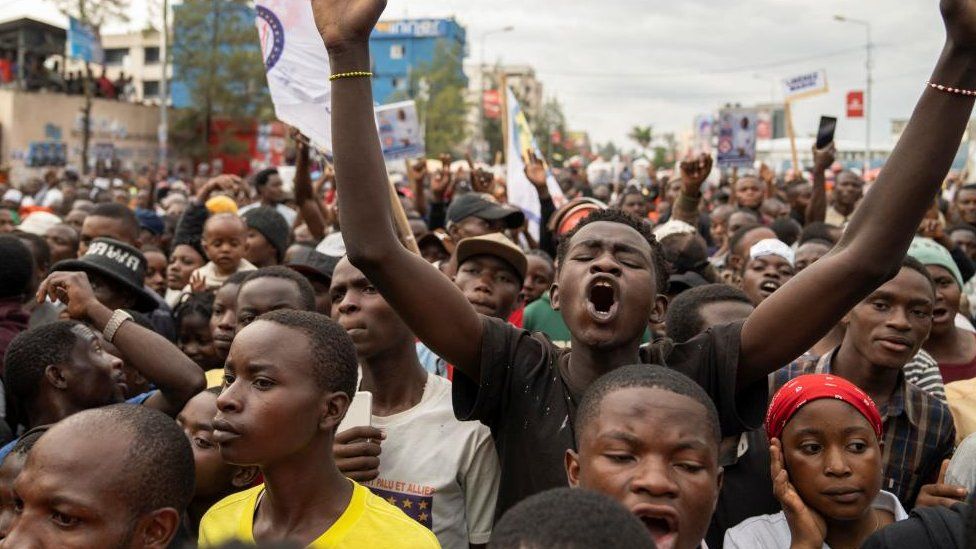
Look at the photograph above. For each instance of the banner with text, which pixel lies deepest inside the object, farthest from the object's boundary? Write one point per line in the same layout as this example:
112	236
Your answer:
855	104
805	85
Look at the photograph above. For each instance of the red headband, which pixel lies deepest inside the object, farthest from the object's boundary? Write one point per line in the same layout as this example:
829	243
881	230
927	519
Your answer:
807	388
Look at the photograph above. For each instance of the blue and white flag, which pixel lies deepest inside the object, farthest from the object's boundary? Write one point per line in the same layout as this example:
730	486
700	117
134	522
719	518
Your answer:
521	191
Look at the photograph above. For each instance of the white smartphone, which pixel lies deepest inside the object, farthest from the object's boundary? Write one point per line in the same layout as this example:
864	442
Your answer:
360	412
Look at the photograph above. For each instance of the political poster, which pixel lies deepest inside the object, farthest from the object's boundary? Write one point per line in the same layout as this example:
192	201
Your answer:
737	138
297	67
521	192
805	85
84	43
399	128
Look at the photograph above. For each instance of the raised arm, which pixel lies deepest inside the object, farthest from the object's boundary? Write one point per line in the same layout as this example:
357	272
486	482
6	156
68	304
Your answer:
452	328
176	376
792	319
694	172
817	207
304	195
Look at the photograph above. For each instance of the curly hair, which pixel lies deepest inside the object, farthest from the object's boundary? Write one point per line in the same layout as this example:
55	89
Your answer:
614	215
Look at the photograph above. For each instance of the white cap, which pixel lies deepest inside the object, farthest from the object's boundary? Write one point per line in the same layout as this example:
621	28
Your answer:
671	228
772	246
13	195
38	223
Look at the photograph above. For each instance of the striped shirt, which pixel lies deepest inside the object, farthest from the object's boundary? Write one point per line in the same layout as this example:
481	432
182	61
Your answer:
918	430
923	372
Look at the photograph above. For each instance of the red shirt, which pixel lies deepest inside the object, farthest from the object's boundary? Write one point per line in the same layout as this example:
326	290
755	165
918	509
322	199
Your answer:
958	372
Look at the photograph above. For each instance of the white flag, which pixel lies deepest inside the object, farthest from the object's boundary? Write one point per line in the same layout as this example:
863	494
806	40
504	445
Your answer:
521	191
297	66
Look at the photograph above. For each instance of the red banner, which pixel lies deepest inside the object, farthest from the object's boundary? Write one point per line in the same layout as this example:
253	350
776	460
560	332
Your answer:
492	102
855	104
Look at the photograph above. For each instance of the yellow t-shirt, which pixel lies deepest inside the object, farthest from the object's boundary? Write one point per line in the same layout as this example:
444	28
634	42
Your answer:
368	521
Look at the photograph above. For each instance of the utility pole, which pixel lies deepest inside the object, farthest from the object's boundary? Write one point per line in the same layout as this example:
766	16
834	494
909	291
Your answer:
869	66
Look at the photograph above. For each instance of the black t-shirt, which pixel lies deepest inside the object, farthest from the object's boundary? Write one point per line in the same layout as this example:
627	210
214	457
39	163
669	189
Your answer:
525	401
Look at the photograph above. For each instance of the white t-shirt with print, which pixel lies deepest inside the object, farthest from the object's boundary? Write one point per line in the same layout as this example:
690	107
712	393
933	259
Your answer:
441	472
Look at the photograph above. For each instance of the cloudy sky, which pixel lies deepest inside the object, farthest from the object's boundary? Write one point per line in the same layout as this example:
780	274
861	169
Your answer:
617	63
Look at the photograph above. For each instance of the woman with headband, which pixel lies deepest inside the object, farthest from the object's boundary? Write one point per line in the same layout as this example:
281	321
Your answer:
826	467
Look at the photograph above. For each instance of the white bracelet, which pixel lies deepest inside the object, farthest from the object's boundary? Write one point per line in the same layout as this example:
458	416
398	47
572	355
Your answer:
118	318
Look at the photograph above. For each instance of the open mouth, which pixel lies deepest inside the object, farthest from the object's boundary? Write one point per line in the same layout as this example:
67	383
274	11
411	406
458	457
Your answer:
940	313
663	530
602	300
768	286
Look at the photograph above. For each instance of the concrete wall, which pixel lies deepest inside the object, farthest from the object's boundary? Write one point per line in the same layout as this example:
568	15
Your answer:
25	118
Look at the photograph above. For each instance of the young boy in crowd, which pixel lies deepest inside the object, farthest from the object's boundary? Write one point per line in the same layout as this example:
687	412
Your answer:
155	270
453	489
491	270
648	437
194	337
223	317
611	274
825	449
539	273
883	332
225	241
768	267
215	478
58	369
267	236
288	382
270	289
118	476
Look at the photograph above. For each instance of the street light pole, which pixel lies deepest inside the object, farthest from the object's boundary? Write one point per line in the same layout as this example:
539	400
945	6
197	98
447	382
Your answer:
481	96
869	65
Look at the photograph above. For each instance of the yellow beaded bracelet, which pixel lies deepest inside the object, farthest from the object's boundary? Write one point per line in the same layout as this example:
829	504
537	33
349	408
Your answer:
354	74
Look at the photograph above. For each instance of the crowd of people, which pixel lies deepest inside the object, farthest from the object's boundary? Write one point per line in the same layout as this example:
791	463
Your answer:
773	360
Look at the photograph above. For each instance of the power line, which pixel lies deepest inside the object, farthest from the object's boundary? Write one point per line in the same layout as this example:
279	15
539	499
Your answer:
702	72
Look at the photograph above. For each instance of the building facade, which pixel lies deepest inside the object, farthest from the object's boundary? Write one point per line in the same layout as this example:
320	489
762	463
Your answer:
396	47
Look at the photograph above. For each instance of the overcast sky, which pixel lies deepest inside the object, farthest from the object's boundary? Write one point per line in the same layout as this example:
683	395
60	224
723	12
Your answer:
617	63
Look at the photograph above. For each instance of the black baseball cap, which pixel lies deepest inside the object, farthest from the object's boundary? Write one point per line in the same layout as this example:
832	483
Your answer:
314	265
484	206
119	262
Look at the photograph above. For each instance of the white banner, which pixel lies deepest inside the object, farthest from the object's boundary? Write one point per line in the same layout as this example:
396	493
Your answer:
805	85
521	191
297	66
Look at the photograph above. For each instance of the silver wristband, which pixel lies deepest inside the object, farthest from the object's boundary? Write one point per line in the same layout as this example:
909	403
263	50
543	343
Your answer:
118	318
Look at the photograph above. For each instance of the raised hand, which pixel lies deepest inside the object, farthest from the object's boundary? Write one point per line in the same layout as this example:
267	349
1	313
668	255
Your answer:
417	171
824	158
198	283
807	527
535	169
694	172
960	22
343	22
442	183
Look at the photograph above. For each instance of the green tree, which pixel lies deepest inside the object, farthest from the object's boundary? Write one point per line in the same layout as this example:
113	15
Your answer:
607	150
217	56
642	135
438	87
551	119
94	14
